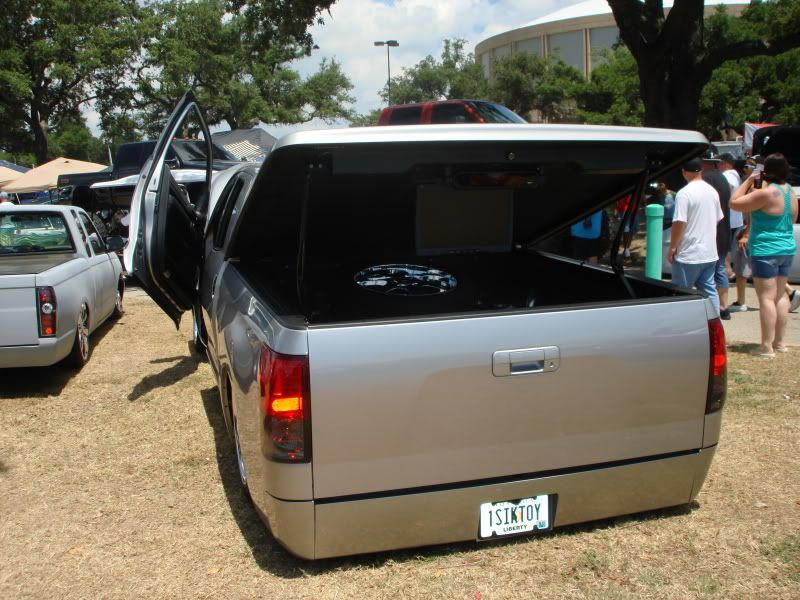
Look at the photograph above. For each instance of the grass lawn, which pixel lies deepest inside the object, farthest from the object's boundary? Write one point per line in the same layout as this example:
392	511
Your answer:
120	482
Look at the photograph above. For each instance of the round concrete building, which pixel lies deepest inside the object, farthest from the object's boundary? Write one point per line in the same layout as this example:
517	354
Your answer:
576	33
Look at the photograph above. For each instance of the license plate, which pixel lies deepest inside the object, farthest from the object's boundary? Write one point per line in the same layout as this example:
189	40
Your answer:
500	519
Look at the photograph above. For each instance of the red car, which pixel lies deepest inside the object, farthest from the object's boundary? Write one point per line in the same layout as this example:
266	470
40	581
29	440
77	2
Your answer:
448	111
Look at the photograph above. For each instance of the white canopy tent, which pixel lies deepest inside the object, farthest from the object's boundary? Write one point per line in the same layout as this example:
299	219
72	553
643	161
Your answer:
44	177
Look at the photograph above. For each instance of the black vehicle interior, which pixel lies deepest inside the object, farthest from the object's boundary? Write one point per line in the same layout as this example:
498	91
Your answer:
472	222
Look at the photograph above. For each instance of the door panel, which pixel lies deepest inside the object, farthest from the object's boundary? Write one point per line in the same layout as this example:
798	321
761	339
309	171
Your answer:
166	232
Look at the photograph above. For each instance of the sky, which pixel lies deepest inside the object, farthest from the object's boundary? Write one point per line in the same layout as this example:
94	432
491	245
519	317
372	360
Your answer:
419	26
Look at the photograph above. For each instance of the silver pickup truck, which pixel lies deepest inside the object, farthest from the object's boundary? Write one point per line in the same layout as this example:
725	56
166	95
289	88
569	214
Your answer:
59	280
398	362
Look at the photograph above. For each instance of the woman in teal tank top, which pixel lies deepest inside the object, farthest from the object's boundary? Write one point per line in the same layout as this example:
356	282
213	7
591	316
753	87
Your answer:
773	210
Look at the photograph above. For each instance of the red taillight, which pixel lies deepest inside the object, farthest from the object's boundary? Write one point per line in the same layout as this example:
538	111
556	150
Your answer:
717	367
284	405
46	310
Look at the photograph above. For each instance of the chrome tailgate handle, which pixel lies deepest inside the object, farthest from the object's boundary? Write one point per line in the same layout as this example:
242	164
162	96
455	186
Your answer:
525	361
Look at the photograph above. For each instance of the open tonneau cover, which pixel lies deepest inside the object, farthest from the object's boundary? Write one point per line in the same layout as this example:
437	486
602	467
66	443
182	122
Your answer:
361	190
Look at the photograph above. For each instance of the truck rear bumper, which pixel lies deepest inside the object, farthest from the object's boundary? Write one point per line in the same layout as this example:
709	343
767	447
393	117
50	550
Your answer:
48	352
409	519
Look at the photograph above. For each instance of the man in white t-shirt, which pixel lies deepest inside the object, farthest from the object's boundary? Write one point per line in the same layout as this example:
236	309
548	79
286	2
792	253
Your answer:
693	243
738	258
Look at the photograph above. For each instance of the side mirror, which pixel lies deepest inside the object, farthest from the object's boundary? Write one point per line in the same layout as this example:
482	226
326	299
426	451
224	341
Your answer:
114	243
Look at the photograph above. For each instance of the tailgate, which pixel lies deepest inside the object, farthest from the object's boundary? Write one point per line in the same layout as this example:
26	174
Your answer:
403	405
18	325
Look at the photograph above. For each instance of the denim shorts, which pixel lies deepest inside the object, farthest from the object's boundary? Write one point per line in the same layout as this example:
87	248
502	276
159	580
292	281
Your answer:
765	267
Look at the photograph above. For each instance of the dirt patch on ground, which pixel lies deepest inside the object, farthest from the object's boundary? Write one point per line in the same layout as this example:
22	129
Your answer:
119	481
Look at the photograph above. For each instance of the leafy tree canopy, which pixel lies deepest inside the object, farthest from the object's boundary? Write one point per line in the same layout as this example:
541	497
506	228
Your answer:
235	55
526	82
454	75
133	60
677	54
57	55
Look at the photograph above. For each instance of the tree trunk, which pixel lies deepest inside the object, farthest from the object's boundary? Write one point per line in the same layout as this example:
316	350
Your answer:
670	91
39	128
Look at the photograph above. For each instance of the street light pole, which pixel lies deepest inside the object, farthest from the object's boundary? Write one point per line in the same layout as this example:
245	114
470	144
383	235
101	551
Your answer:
388	44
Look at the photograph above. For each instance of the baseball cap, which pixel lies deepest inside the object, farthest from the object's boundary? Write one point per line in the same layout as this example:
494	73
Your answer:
692	166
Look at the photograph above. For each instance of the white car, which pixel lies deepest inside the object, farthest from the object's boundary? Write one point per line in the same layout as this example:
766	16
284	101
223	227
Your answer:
59	280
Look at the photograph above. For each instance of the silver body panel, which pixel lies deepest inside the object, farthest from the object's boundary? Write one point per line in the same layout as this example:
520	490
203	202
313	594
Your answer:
424	407
81	277
450	515
417	421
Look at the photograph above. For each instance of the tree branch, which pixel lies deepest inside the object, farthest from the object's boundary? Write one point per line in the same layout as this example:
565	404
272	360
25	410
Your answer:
629	16
753	48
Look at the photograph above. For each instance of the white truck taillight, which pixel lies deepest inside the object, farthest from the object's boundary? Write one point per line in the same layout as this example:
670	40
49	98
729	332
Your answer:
717	367
46	311
285	406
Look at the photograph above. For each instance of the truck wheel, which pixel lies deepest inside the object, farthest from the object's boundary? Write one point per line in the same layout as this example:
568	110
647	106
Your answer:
119	310
81	350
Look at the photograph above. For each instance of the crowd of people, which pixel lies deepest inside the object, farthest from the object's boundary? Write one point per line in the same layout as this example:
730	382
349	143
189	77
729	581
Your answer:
731	214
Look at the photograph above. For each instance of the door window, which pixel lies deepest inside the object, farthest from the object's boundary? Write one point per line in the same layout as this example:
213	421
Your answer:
449	113
94	236
82	233
221	230
405	116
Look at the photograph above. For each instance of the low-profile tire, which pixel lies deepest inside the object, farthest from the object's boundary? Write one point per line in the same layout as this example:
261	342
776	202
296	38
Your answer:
81	348
119	309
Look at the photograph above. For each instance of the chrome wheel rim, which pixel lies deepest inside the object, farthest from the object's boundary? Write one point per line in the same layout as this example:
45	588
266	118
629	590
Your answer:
118	301
83	332
195	327
239	458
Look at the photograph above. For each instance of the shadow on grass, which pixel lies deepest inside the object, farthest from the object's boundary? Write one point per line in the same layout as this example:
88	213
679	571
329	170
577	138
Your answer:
272	557
182	366
41	382
742	348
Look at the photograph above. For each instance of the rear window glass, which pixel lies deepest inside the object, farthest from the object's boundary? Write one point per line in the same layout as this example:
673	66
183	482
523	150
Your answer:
449	113
25	233
495	113
406	116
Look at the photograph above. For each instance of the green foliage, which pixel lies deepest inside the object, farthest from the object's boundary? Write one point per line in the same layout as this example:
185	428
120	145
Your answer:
611	96
525	82
367	120
235	56
133	60
57	55
73	139
455	75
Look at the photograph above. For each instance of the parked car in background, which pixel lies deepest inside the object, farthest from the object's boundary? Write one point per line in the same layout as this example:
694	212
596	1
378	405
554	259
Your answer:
399	366
59	280
447	112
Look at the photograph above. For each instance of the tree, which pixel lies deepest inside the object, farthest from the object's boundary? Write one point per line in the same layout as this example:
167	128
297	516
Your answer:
676	57
58	55
611	95
525	82
73	139
235	56
455	75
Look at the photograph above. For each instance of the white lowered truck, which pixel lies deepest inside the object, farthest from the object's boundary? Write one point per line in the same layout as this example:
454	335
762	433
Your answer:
59	280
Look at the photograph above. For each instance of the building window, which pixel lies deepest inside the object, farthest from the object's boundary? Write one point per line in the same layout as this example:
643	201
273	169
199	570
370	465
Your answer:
602	38
533	46
502	51
568	47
